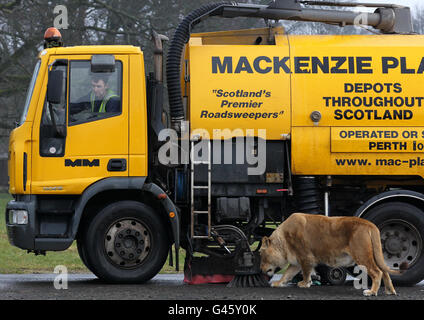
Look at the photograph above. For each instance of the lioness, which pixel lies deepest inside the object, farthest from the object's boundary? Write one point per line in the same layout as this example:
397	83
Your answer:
304	240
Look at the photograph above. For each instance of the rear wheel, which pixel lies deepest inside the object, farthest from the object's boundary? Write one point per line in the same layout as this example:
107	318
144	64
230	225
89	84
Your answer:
401	228
126	242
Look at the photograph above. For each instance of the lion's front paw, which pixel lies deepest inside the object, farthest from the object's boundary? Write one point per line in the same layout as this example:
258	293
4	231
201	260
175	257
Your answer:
304	284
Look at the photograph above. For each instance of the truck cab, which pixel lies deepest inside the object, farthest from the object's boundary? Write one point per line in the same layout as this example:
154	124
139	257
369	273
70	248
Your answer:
62	145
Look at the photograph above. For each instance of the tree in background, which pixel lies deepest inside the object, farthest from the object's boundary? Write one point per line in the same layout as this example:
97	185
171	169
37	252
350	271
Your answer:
23	23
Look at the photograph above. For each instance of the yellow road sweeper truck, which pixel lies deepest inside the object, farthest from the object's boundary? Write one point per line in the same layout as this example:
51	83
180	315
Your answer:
261	124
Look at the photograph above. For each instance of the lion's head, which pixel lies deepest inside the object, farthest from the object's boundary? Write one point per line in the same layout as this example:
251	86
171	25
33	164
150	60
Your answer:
271	259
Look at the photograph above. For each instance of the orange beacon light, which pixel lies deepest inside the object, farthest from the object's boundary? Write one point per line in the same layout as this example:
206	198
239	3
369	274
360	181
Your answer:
52	38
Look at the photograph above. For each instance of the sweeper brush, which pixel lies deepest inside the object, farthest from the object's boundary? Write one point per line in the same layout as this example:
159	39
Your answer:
240	269
248	272
209	270
250	280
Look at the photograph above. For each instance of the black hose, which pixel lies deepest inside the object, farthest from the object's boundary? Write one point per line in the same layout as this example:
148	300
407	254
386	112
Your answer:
173	63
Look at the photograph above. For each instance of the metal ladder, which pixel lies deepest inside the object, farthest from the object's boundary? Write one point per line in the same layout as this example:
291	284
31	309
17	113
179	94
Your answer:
194	211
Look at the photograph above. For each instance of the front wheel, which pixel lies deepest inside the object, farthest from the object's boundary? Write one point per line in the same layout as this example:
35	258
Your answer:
401	228
126	242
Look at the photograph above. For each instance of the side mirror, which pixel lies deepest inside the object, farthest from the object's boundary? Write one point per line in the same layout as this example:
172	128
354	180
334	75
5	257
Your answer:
55	86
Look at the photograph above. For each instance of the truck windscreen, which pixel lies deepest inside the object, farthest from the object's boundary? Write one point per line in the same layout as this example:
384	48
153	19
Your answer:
29	92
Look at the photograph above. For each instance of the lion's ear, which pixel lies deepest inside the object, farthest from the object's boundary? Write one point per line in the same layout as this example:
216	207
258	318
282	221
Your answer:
266	242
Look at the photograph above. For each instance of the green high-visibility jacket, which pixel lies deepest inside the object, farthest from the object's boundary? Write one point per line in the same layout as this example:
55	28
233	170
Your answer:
109	94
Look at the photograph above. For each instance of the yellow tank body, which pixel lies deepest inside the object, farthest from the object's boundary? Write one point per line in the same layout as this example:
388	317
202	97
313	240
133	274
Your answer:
352	105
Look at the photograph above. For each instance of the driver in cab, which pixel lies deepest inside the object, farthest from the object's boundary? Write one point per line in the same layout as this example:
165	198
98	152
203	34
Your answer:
99	101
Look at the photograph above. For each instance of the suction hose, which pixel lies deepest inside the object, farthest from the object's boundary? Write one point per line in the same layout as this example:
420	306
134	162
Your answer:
173	63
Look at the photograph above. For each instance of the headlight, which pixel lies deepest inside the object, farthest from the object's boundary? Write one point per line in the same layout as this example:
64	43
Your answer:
18	216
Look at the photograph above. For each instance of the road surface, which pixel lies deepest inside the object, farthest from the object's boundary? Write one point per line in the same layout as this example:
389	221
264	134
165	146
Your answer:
172	287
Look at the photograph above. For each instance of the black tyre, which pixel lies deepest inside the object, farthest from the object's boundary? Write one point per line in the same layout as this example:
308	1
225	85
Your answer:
126	242
82	254
401	227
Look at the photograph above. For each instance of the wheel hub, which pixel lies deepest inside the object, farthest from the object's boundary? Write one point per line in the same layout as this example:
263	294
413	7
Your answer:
393	245
127	243
400	242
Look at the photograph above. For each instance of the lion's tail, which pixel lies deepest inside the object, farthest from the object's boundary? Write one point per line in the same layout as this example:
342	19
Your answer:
378	254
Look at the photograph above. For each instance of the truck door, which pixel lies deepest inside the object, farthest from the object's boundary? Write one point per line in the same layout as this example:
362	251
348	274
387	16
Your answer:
84	138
